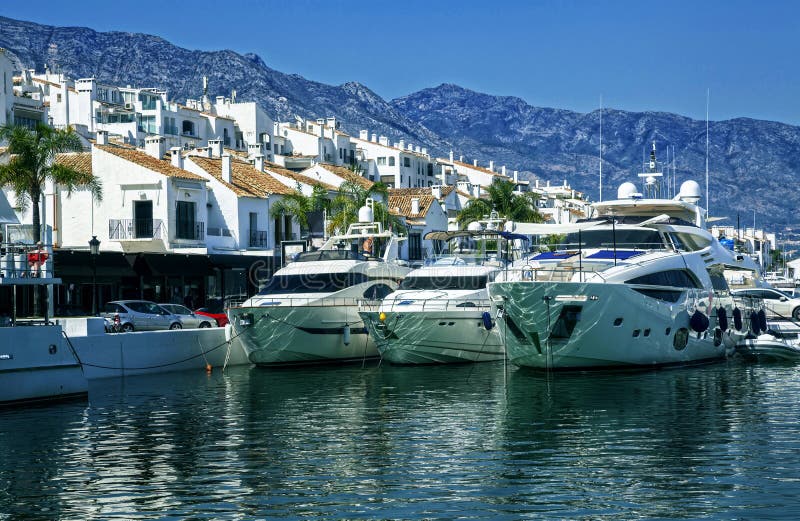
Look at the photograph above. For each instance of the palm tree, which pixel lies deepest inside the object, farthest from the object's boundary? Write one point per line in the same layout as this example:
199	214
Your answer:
33	153
351	197
503	200
298	206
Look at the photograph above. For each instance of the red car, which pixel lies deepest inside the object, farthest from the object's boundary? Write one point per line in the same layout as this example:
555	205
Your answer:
214	310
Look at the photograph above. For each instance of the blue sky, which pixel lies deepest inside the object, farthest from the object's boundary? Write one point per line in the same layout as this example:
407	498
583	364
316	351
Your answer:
565	54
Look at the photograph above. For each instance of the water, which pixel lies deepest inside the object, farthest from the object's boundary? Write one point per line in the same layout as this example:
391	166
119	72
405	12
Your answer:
456	442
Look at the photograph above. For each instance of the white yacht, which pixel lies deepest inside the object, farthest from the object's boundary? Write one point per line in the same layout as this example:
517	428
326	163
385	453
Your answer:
308	311
440	313
641	283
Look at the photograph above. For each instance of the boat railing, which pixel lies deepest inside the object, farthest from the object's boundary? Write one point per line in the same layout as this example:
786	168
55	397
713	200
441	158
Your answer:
430	304
265	301
22	262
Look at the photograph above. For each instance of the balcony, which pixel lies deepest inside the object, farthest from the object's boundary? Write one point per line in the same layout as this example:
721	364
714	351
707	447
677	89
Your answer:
135	229
258	239
190	231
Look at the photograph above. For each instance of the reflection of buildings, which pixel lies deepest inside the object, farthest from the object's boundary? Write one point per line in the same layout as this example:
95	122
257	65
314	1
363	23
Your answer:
756	242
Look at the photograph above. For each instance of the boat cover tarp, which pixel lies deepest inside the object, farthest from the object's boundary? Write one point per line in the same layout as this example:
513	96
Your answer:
551	255
553	229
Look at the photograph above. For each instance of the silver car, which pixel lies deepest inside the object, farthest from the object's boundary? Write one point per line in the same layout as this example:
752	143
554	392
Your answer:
139	315
189	318
777	304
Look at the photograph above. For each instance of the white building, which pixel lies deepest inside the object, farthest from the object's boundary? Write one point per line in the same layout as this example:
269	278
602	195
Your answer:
398	165
422	213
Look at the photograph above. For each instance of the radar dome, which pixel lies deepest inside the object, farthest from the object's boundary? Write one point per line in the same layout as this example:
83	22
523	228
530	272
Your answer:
626	190
690	191
474	226
365	214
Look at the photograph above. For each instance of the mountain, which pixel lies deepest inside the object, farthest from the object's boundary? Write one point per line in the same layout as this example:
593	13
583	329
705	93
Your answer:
753	164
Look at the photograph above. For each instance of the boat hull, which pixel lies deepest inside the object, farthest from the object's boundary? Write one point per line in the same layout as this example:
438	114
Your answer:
431	337
37	364
301	335
565	325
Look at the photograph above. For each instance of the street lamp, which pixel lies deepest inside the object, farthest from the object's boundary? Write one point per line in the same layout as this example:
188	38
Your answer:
94	251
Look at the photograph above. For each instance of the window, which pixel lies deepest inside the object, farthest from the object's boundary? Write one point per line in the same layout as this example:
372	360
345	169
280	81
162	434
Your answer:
147	124
624	238
58	98
185	220
377	292
381	161
675	278
187	127
414	246
276	148
391	161
468	282
312	283
407	161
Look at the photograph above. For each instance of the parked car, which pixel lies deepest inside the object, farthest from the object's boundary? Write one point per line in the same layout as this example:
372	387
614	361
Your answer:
214	309
777	304
140	315
189	318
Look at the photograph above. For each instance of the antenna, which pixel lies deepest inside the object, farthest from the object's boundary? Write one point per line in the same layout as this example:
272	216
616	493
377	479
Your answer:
708	201
601	148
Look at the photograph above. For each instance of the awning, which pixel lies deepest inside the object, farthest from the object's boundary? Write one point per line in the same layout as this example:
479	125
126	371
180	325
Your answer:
171	264
7	214
78	263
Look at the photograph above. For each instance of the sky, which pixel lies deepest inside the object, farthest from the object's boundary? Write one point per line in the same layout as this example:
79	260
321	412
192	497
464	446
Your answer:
635	55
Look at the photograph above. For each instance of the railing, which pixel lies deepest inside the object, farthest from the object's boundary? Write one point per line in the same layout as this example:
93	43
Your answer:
258	239
187	231
431	304
129	229
267	301
25	261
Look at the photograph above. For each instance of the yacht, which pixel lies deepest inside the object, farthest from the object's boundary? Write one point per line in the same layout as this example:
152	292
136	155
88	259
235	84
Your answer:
307	312
639	283
440	313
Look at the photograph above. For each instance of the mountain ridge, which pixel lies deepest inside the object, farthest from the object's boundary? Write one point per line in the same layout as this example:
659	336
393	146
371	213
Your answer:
752	161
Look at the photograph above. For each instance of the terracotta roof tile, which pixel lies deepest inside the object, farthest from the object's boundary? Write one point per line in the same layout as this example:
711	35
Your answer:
416	192
80	161
279	170
142	159
473	167
348	175
401	204
246	180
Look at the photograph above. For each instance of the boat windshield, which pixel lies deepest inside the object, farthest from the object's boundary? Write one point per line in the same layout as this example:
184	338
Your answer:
467	282
326	255
623	238
312	283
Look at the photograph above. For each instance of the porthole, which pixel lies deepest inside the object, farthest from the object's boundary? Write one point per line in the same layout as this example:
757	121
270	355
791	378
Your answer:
680	339
647	332
668	331
618	322
636	333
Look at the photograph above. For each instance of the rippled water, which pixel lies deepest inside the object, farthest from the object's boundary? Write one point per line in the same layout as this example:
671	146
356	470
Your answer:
388	442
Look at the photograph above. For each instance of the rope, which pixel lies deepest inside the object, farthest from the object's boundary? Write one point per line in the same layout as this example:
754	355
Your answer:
202	353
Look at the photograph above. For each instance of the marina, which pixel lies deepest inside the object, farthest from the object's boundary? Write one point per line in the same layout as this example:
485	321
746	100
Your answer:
482	441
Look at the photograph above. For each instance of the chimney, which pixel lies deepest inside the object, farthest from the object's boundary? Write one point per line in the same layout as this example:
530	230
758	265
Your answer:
537	183
516	176
415	206
410	147
253	149
444	176
154	146
402	145
177	158
503	169
491	166
424	151
436	191
476	190
216	147
226	168
363	135
451	156
374	138
258	162
384	141
205	151
474	162
417	149
102	137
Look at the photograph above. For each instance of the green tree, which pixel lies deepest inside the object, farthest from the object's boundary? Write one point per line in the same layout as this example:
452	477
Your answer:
33	153
298	206
351	197
503	200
